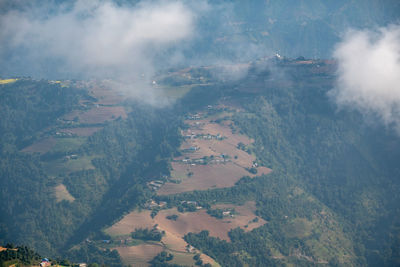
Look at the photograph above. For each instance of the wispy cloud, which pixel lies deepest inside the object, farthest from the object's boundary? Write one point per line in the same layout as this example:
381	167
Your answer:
369	73
93	39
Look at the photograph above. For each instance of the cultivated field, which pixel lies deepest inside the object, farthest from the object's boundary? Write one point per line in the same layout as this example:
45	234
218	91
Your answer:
223	129
210	156
67	144
186	222
97	115
63	166
203	177
139	255
81	131
42	146
105	95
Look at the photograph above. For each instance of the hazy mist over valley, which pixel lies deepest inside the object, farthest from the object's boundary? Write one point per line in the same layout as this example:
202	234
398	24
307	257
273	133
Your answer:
199	133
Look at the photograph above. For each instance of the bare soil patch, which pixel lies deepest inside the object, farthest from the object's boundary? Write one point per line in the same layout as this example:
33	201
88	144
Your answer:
139	255
97	115
134	219
263	170
105	95
203	177
62	193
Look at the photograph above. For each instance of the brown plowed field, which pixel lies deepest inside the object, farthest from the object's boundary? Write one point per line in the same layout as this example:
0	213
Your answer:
188	222
105	95
204	177
97	114
139	255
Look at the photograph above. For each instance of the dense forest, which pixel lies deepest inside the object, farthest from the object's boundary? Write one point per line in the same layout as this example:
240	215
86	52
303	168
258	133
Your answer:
128	153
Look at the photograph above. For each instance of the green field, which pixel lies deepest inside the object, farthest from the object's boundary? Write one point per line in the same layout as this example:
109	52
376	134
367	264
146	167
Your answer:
60	166
68	144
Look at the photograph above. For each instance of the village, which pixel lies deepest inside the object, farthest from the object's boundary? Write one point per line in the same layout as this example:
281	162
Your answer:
211	156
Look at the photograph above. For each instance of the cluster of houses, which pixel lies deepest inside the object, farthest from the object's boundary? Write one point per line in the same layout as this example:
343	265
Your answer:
194	117
73	156
193	161
227	213
192	136
64	134
207	160
151	204
197	125
190	249
45	262
192	149
155	185
191	203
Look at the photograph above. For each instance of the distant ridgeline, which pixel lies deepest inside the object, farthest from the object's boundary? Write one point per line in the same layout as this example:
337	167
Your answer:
291	28
74	160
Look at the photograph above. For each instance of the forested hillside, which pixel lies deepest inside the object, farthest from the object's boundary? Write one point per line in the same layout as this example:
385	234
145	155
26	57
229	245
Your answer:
200	132
348	165
121	157
71	175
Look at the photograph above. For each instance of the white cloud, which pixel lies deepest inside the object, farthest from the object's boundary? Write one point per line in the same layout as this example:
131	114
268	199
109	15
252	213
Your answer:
93	39
369	73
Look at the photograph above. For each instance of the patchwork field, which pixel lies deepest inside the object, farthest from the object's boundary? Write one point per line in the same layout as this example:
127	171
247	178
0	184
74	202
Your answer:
211	157
72	137
189	221
185	223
